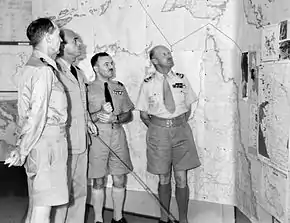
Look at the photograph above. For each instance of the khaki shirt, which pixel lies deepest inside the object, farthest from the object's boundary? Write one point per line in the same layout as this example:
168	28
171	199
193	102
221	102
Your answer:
41	100
150	98
75	90
96	97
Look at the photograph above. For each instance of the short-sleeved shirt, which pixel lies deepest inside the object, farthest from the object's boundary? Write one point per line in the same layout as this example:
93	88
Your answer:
150	97
96	97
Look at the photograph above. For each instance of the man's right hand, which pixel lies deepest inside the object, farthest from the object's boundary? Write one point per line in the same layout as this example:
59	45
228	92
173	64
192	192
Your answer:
107	107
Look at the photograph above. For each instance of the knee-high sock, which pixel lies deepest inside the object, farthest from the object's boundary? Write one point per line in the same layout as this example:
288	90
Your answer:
118	197
164	193
98	196
182	197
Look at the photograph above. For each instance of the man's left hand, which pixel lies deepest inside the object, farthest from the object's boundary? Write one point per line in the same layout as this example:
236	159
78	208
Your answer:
106	118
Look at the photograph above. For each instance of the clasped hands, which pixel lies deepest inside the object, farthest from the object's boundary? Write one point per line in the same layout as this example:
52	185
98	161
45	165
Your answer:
106	114
15	159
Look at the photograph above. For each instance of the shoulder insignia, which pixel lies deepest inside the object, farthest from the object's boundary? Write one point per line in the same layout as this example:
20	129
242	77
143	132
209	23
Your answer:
117	82
47	64
147	79
36	62
180	75
120	83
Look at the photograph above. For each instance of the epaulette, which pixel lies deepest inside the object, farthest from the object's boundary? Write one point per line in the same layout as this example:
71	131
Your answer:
47	64
180	75
117	82
44	61
147	79
36	62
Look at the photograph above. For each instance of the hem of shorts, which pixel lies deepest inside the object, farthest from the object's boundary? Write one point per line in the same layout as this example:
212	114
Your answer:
189	168
92	176
181	169
43	199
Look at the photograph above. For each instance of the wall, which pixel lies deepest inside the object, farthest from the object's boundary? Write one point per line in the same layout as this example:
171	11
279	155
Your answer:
265	192
207	39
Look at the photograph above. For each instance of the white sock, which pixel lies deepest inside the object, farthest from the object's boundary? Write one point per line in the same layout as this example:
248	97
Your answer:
98	202
118	197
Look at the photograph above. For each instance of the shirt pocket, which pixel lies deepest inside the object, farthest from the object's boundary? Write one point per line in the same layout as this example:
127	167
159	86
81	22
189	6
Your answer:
180	94
154	101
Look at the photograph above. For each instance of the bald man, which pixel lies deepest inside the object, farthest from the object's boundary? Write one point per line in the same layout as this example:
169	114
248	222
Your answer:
78	124
164	103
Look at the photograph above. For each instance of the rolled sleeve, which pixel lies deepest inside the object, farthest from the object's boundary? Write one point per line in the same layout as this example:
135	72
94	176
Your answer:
95	100
37	95
191	96
142	100
127	104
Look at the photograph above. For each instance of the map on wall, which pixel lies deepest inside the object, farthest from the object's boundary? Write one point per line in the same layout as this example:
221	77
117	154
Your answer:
270	43
15	57
15	16
8	117
273	192
274	115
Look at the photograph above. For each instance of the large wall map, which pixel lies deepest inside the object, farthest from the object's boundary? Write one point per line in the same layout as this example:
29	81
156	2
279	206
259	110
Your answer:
204	41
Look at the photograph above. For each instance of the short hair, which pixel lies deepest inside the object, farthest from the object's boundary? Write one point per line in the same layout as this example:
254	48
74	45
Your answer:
95	58
38	28
152	53
62	43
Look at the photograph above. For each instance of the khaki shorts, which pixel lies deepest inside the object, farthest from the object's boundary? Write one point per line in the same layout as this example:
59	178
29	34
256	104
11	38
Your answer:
46	168
101	161
167	147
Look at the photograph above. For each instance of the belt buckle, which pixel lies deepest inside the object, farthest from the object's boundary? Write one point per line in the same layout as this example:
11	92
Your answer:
169	123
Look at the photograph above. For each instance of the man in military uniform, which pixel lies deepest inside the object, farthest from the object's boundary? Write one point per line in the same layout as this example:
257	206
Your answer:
78	123
42	110
110	107
164	103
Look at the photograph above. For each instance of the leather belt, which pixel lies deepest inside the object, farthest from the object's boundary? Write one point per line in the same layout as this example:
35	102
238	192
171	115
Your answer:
108	125
163	122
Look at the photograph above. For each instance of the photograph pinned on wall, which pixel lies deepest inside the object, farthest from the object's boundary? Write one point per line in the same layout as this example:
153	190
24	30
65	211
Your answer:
245	69
283	30
270	43
253	76
284	41
284	50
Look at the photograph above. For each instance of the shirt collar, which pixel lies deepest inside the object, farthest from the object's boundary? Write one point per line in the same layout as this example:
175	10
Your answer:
160	75
65	63
48	59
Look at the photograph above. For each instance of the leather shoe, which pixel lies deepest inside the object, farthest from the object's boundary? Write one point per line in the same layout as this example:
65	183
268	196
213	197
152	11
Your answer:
160	221
122	220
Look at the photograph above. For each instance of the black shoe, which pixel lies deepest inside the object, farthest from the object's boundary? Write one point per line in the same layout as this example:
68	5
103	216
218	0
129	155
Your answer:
122	220
160	221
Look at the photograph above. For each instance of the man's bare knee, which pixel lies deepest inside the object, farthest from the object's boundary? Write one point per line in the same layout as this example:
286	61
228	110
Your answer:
40	214
164	178
98	183
119	181
180	178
